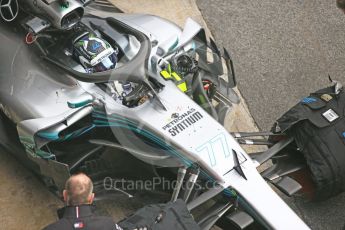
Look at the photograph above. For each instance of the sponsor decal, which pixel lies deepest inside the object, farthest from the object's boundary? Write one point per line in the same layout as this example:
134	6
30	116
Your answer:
330	115
217	150
100	57
78	225
326	97
181	122
95	46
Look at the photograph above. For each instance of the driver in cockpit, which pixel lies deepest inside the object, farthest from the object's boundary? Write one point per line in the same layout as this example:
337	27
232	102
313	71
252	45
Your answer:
93	53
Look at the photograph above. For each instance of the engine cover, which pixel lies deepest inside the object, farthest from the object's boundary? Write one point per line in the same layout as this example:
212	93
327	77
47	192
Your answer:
61	16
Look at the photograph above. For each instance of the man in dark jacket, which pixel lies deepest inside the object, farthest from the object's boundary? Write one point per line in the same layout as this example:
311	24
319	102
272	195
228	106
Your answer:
78	213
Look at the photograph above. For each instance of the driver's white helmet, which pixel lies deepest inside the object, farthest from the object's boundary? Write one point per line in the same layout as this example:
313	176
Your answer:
94	54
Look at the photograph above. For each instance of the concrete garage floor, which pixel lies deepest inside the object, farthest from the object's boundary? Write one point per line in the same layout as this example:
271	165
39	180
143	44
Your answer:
25	201
283	50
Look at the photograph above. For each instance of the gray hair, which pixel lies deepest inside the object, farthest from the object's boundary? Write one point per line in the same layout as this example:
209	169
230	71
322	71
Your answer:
79	188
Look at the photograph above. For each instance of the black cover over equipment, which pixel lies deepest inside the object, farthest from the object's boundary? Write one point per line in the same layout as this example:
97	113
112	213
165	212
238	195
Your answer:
317	124
170	216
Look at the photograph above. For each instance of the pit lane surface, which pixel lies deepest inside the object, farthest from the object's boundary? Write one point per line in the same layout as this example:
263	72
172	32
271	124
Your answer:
25	203
282	51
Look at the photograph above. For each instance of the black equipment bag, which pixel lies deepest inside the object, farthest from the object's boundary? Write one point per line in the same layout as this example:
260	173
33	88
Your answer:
317	124
170	216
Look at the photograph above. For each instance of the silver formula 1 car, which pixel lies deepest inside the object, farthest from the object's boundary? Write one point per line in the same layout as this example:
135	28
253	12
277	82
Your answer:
163	98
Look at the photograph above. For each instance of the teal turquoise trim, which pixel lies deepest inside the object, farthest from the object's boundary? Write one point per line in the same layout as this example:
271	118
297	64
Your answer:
54	136
193	45
122	122
78	104
29	145
173	46
49	135
101	120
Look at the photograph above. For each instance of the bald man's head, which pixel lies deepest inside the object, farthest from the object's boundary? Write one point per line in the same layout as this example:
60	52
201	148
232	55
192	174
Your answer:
78	190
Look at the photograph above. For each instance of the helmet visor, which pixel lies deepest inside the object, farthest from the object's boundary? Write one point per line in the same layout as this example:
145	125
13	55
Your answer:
106	64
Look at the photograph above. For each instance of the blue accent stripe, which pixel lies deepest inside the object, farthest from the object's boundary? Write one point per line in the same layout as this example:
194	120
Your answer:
308	100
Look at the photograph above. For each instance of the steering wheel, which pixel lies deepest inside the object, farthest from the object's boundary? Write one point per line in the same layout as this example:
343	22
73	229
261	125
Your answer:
9	9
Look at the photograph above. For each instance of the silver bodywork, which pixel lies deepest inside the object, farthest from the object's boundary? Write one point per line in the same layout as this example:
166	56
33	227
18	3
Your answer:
53	12
36	95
